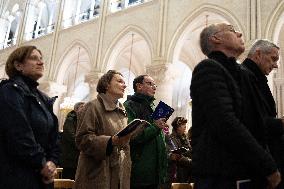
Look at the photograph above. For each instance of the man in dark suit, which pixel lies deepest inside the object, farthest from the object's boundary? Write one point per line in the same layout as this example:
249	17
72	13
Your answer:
262	59
228	130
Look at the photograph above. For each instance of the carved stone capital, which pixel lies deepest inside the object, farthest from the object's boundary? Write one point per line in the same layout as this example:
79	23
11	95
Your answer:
92	79
161	73
52	88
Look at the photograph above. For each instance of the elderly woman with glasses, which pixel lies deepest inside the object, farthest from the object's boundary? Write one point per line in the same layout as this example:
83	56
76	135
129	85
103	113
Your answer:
179	152
28	127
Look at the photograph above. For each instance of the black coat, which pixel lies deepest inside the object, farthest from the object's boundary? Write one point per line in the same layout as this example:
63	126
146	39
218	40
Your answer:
70	152
28	134
228	132
275	127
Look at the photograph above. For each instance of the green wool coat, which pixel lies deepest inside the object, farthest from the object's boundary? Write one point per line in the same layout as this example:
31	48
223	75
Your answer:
148	149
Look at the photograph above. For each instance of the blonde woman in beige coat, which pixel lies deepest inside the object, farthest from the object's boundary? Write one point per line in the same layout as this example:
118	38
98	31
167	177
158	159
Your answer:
104	161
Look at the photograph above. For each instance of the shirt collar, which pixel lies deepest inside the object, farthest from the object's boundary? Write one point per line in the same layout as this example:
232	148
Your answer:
109	104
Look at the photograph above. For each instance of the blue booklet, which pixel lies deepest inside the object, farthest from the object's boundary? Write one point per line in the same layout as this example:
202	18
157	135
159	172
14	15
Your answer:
162	111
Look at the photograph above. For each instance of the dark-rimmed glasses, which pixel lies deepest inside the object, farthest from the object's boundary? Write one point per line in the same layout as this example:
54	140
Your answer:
150	84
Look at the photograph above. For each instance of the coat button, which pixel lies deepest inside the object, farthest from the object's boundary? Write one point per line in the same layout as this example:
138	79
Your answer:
39	103
15	85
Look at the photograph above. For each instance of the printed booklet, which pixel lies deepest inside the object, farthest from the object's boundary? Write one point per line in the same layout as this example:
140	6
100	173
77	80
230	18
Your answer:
162	111
135	125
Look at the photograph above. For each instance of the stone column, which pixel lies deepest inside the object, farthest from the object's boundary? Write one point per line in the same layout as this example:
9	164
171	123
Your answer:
278	92
54	89
92	79
164	81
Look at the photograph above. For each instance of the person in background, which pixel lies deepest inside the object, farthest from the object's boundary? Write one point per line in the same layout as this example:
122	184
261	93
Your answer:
261	60
104	160
70	153
148	149
179	168
29	148
228	131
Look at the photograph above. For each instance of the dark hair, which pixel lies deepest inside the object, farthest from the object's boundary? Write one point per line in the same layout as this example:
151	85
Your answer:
18	56
138	79
178	121
105	80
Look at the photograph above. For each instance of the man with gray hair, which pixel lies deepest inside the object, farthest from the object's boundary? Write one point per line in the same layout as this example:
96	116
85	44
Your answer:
262	59
228	132
265	55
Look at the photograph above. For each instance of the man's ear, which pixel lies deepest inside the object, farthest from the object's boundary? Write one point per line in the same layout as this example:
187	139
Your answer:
214	39
258	54
138	86
257	57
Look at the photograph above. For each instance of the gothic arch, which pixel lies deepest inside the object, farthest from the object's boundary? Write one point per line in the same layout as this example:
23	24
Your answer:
62	65
192	21
274	25
184	51
117	43
274	28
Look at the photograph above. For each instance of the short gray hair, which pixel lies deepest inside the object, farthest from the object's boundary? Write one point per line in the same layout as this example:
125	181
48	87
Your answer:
205	44
262	44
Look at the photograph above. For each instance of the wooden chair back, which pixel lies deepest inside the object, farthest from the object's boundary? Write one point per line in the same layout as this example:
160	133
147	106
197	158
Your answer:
59	173
182	186
64	184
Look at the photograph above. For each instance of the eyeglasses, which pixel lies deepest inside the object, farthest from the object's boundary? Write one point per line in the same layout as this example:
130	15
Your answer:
151	84
35	58
230	29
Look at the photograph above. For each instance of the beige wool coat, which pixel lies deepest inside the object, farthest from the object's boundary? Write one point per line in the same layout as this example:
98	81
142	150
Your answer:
100	119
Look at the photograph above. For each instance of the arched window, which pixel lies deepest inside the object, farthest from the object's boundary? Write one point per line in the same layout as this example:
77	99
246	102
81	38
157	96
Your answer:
85	10
40	19
5	29
14	30
69	13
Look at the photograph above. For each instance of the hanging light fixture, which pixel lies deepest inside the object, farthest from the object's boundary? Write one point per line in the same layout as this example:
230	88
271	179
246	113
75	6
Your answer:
130	58
69	102
127	90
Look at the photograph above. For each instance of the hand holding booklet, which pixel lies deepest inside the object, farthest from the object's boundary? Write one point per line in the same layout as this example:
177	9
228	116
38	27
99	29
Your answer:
133	127
162	111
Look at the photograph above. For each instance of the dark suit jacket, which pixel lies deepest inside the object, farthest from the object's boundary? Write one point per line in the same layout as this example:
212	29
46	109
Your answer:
228	130
274	125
